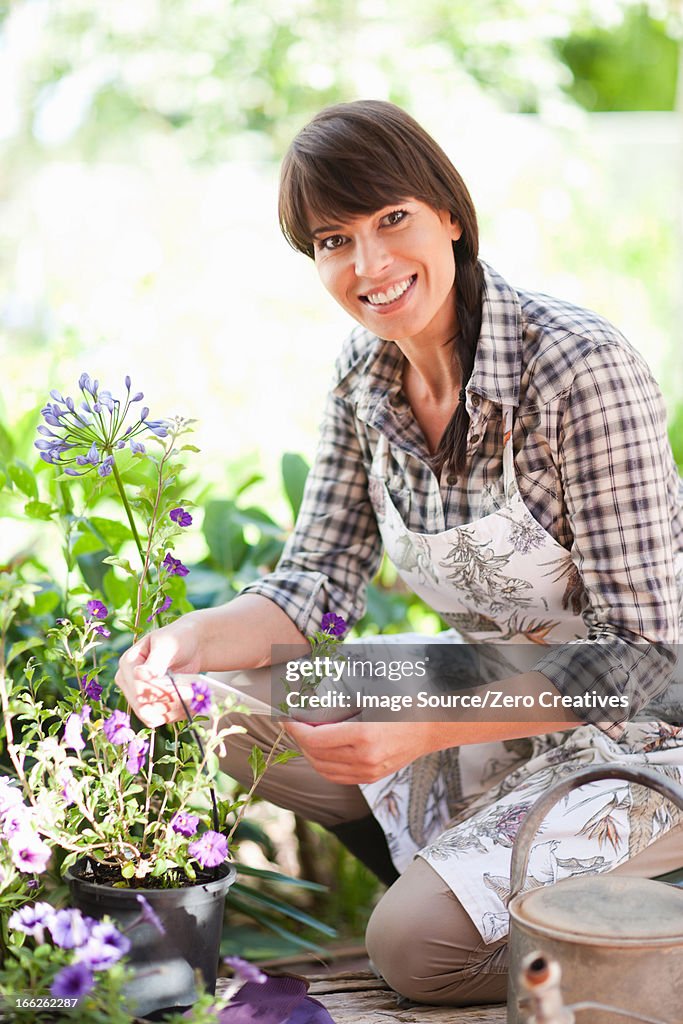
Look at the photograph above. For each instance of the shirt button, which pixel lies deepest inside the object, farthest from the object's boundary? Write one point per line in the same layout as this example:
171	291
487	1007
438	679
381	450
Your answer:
475	400
474	438
451	479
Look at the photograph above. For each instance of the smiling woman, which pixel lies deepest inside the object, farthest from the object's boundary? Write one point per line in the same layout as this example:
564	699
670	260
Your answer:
509	453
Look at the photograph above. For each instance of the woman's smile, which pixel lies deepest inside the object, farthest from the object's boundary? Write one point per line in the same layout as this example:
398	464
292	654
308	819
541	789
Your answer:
393	270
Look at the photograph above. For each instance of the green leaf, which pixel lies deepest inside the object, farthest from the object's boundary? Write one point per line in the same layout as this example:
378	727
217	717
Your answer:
257	762
283	908
190	448
250	911
286	756
23	645
294	473
6	443
277	876
128	870
39	510
122	563
24	479
227	546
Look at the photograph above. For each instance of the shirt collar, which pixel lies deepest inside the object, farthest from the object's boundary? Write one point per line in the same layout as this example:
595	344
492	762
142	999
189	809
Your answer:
373	381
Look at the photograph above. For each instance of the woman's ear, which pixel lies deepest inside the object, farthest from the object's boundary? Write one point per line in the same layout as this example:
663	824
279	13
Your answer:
456	228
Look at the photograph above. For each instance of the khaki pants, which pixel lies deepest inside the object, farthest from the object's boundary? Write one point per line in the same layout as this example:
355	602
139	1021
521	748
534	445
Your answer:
420	938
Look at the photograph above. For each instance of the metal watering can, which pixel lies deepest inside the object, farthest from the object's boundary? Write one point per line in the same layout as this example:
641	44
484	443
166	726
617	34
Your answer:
618	940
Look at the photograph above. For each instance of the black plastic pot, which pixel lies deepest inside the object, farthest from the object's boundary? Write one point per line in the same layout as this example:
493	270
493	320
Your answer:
164	964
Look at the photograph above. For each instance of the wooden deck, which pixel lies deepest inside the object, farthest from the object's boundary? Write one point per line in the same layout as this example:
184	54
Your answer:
358	997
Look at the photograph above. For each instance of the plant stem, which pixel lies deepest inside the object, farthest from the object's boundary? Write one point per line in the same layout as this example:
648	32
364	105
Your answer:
129	513
243	808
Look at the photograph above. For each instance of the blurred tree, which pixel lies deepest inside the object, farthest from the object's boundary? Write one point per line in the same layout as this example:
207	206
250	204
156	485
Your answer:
632	66
233	78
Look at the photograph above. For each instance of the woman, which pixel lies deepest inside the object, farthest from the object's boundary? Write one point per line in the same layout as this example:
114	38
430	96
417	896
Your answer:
509	452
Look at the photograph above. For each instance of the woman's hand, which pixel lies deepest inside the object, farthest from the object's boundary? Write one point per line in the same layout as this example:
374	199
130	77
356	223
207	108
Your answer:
354	752
142	672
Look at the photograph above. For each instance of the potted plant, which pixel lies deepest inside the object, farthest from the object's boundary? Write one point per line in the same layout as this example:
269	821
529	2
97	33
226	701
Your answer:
131	811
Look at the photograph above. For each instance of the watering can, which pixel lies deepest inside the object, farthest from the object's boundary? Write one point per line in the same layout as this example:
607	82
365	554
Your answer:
618	940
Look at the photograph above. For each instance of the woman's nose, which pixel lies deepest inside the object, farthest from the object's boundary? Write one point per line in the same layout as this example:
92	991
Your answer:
371	257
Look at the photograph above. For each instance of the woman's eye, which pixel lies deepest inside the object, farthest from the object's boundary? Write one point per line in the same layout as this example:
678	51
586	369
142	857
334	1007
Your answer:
395	217
333	242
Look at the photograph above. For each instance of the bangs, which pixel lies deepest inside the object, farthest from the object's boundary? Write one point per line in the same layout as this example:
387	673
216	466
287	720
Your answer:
332	191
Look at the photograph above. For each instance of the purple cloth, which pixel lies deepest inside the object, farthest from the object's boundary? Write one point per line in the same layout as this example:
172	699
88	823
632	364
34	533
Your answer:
277	1001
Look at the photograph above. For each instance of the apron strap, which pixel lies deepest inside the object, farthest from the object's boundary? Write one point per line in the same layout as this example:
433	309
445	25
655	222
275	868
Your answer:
509	478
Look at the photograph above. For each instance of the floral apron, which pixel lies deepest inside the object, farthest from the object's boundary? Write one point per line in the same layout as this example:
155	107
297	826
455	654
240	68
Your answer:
503	578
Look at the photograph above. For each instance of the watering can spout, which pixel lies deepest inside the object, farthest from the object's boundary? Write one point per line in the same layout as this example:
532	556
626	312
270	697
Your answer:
540	982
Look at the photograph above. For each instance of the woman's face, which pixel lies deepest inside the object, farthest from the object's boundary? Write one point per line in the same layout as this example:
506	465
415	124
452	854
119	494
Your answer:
393	270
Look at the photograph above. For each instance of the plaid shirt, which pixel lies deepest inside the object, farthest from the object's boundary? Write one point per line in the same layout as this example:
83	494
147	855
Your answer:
592	460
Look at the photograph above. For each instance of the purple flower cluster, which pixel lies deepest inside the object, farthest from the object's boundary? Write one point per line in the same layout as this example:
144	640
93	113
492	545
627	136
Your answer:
333	625
246	971
180	517
97	945
95	610
210	850
87	435
173	566
28	853
185	824
200	702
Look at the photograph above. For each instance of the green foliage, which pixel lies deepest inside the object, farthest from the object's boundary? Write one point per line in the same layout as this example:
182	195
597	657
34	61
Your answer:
630	66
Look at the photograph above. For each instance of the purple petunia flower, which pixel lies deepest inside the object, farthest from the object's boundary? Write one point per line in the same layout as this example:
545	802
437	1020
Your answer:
163	607
117	728
65	777
173	566
10	794
72	982
32	920
29	853
104	947
211	849
137	749
333	625
180	516
91	688
96	610
184	824
200	702
149	914
246	971
69	929
73	728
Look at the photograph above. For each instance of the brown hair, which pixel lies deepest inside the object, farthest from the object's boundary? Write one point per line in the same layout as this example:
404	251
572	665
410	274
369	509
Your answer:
355	158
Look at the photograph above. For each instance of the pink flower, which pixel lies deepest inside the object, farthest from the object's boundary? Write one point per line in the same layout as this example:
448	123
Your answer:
29	853
184	824
211	849
117	728
137	749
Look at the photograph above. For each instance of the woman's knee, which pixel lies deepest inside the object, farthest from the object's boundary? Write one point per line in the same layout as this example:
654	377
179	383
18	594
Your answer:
426	947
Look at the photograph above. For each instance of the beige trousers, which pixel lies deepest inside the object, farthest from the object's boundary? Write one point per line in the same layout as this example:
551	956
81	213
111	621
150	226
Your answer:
420	938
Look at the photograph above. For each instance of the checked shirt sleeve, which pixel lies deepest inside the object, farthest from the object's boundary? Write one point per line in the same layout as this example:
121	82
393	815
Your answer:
335	548
617	474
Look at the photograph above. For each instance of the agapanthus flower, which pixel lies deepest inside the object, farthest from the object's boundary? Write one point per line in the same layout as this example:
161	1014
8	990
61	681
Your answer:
149	914
73	728
333	625
117	728
69	928
96	610
211	849
180	516
200	701
184	824
88	435
163	607
105	945
29	853
91	688
72	982
173	566
246	971
32	920
137	749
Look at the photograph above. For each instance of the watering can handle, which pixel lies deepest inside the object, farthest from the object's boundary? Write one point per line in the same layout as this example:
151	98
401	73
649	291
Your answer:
532	822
